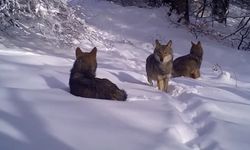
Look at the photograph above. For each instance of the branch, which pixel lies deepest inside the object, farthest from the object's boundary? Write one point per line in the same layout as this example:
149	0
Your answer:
237	29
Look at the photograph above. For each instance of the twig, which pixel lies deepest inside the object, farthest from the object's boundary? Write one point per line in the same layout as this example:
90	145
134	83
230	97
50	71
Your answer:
238	30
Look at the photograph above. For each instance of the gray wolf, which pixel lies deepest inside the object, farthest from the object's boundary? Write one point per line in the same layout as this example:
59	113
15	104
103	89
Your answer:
159	65
83	81
189	65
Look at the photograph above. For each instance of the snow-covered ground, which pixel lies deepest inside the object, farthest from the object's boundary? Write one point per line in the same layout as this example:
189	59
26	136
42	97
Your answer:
37	112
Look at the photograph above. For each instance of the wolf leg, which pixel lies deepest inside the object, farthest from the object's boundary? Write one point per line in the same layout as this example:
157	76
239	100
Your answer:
150	81
195	74
160	84
165	81
198	74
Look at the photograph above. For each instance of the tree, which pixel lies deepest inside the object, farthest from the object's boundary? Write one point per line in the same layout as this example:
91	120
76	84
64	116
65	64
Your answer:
220	10
50	18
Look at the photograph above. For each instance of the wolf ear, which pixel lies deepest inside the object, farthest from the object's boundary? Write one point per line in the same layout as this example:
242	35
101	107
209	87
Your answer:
157	43
94	51
192	43
78	52
169	43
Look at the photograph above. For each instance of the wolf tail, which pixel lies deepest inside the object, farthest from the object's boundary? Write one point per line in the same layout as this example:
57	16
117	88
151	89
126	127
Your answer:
120	95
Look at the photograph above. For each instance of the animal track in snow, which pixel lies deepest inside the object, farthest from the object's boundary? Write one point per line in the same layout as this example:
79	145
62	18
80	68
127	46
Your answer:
197	123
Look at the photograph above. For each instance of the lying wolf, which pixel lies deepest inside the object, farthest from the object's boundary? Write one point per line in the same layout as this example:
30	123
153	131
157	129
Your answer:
83	82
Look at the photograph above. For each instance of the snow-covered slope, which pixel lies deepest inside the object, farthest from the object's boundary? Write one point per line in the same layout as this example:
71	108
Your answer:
37	112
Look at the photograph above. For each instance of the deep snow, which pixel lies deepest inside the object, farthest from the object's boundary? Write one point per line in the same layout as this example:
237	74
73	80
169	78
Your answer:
37	112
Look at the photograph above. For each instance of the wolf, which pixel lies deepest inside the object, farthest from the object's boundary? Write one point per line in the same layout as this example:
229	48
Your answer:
159	65
83	81
189	65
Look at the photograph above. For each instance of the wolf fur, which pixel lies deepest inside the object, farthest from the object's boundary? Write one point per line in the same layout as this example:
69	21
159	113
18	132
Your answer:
189	65
83	81
159	65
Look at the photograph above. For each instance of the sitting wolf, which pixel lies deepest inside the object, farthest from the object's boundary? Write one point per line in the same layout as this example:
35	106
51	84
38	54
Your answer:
189	65
83	82
159	65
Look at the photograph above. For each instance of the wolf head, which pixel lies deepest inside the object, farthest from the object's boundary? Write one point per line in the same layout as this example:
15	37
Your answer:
163	53
196	50
85	62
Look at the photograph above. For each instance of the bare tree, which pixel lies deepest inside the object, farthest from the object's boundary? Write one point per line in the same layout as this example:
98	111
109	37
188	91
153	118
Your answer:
36	16
220	10
242	34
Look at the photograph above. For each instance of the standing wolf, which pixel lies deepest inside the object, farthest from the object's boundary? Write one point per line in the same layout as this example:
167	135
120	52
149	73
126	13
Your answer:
83	82
189	65
159	65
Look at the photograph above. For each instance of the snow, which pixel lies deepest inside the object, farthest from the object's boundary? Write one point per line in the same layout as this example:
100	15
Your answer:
37	111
